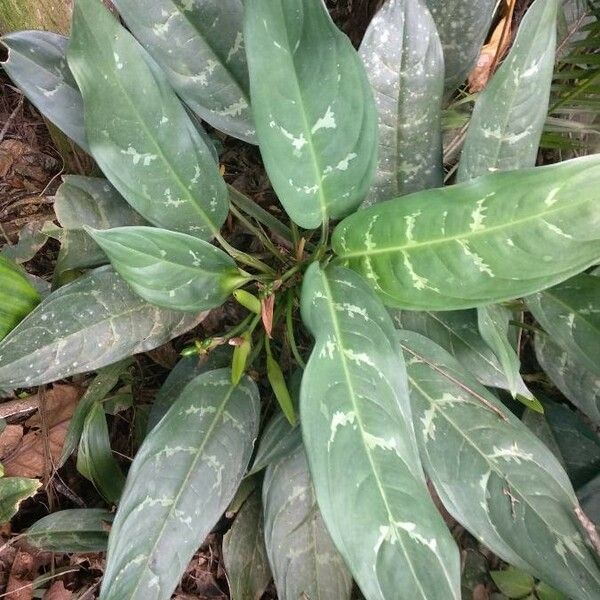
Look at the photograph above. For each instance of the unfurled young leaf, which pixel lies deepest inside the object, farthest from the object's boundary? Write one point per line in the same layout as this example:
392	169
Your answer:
463	26
509	115
570	313
304	561
180	483
84	326
38	65
493	475
137	130
13	490
404	62
72	530
17	296
200	47
498	237
360	443
513	582
244	552
170	269
313	108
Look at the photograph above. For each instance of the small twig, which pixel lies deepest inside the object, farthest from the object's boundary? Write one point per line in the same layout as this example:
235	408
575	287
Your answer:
11	118
589	528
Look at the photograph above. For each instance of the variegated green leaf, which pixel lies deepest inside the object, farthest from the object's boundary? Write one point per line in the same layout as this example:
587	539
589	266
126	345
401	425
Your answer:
17	296
313	108
138	131
355	411
13	490
493	475
462	26
72	530
180	483
170	269
244	552
83	326
498	237
578	384
304	561
509	115
38	65
570	313
200	47
404	61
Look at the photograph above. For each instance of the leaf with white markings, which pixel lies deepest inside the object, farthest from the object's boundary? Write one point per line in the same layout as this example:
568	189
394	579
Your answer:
83	326
355	410
72	530
404	61
180	483
509	115
170	269
37	64
138	131
498	237
244	552
304	561
493	475
462	26
578	384
13	490
314	112
200	47
570	313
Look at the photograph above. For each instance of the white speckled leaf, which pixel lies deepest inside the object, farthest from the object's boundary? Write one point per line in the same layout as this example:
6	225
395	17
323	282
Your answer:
509	115
200	47
578	384
180	483
83	326
493	475
244	552
570	313
360	443
304	561
462	26
404	62
138	131
38	65
457	332
314	111
498	237
170	269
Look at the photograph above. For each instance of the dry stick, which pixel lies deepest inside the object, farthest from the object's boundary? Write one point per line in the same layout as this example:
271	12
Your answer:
11	118
589	528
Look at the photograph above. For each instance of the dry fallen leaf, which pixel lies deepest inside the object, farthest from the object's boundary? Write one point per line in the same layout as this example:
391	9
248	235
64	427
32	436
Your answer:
266	306
10	439
21	577
57	591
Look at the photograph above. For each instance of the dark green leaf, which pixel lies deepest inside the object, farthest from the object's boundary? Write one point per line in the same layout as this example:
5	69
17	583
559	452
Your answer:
72	530
304	561
404	61
180	483
84	326
315	116
170	269
589	496
13	490
138	131
200	47
244	552
493	475
545	592
38	65
361	447
498	237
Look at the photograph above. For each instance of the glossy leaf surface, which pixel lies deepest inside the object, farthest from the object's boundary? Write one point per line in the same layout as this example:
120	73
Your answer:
13	490
180	483
403	58
355	411
304	561
498	237
83	326
493	475
313	108
138	131
38	65
200	47
168	268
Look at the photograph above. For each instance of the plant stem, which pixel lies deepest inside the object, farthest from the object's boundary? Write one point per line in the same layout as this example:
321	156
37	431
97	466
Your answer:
289	323
242	257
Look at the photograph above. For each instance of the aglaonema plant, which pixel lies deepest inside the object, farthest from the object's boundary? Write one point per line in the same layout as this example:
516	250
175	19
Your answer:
410	300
